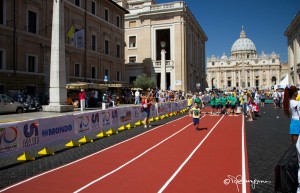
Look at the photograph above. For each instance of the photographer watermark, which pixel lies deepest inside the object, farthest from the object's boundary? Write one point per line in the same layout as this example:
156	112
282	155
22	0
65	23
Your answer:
239	180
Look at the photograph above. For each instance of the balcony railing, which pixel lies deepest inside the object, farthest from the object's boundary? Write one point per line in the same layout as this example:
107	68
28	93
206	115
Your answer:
157	63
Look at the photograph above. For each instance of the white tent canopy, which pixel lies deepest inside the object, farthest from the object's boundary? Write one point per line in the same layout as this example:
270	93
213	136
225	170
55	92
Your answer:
283	82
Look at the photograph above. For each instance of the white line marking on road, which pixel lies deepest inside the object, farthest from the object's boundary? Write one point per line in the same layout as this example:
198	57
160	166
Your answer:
188	158
243	158
122	166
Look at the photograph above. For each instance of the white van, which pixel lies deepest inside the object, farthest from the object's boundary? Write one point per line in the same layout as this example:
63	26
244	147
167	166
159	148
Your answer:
8	105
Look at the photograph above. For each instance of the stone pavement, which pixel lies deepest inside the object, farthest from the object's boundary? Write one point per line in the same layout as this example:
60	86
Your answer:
267	139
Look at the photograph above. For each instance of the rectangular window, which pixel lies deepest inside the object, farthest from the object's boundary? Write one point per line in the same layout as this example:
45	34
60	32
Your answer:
106	15
93	7
118	51
256	83
1	59
31	63
77	2
248	84
106	47
1	12
94	72
273	60
118	76
118	21
229	83
93	42
132	41
106	72
132	59
32	21
77	70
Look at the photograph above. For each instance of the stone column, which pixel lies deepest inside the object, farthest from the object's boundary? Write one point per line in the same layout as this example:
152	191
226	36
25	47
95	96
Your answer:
163	70
58	91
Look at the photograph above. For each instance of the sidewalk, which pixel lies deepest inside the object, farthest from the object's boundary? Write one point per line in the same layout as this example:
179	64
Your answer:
4	118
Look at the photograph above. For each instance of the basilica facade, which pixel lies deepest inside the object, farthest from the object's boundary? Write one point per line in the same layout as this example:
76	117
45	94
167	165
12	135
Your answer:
244	68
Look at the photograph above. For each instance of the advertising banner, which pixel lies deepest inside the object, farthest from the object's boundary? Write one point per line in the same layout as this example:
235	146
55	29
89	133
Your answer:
137	114
55	130
105	119
125	115
10	137
23	136
162	109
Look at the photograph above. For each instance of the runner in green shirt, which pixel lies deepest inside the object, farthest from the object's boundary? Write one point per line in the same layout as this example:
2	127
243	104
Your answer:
232	100
218	104
224	103
212	102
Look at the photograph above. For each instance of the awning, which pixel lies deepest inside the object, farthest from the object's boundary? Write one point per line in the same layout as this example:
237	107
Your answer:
118	85
85	85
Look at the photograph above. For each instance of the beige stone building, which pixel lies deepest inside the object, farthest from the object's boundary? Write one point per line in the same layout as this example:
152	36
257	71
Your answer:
244	68
293	38
94	43
146	26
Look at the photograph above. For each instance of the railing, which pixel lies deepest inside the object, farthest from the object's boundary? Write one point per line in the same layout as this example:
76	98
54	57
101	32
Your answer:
169	63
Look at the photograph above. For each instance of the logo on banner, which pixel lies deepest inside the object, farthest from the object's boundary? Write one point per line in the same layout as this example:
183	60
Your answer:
56	130
31	134
8	138
105	118
82	123
137	112
114	117
95	121
126	116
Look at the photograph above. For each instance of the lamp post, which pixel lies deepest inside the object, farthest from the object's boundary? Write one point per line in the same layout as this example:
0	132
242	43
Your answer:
163	66
105	97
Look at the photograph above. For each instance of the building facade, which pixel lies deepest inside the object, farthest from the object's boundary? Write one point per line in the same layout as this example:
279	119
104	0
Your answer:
94	43
146	26
244	68
293	38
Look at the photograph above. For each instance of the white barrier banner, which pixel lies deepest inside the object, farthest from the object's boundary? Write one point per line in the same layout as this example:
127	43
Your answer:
162	109
105	119
56	129
115	117
136	112
10	135
82	123
26	135
30	134
153	110
125	115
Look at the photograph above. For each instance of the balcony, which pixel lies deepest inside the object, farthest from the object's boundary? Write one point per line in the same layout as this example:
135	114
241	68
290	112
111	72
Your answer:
169	64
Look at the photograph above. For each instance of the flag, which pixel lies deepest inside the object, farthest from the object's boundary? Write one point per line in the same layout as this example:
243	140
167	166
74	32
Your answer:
71	32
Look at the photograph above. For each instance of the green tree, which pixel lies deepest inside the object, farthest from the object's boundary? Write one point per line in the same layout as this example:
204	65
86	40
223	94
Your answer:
144	82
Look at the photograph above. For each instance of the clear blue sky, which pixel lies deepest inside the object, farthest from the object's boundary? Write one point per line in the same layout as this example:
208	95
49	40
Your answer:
264	21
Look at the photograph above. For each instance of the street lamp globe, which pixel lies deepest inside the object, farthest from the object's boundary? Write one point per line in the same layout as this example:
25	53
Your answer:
163	44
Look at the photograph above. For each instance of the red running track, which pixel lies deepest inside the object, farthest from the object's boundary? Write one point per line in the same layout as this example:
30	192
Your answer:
171	158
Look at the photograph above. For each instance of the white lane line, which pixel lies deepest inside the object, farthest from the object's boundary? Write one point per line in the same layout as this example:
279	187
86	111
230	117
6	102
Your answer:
188	158
122	166
39	175
243	157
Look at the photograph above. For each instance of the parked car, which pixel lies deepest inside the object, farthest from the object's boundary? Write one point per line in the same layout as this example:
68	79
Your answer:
9	105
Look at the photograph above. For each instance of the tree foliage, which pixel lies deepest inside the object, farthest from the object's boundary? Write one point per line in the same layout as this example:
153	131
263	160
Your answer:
144	82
